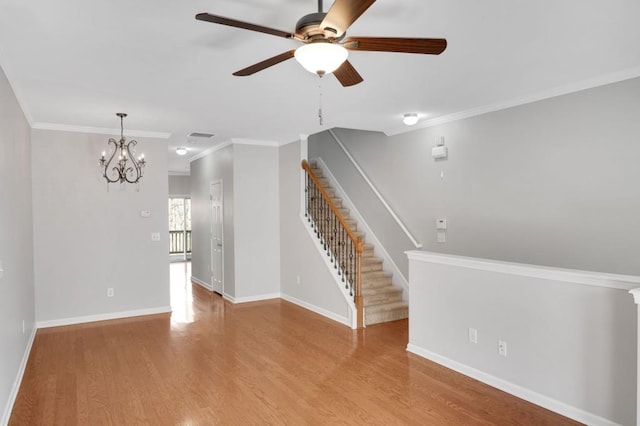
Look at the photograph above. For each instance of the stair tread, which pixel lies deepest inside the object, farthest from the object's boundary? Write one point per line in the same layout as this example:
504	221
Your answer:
390	288
387	307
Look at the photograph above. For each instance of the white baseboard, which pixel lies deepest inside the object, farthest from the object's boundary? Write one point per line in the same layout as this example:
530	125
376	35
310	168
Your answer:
18	381
249	299
321	311
103	317
513	389
202	283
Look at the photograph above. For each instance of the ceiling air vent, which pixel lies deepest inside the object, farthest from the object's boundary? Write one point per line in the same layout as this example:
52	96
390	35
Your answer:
201	135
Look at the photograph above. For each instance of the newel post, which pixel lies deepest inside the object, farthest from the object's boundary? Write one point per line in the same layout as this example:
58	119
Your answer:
636	297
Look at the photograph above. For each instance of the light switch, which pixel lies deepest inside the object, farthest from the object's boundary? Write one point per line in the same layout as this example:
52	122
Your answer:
155	236
442	237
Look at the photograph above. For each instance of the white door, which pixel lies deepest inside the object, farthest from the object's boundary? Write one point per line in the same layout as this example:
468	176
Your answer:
217	266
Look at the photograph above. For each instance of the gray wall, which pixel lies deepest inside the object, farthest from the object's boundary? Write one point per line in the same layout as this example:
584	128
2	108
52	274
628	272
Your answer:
16	241
256	221
552	183
179	186
568	342
87	239
212	167
298	256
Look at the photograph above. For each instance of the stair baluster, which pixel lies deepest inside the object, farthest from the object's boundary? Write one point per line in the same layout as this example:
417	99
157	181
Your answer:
341	244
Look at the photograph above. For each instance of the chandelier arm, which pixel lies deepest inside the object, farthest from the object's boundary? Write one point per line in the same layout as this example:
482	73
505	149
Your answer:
134	162
108	164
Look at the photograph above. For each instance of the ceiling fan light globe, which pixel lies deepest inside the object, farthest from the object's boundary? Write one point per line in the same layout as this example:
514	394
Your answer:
321	57
181	151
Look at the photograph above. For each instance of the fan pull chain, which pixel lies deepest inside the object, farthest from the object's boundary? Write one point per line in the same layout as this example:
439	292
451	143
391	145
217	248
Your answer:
320	117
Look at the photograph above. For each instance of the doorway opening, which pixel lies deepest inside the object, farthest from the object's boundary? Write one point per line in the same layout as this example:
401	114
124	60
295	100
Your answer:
179	229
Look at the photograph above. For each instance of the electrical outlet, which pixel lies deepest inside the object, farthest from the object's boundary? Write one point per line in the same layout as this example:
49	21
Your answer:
297	279
110	292
473	335
502	348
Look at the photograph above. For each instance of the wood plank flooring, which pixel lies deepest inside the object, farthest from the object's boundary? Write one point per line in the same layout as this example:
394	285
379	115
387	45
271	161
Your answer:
259	363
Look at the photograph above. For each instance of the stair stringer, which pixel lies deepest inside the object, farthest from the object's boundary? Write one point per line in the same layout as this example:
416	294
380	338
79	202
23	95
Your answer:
353	320
388	265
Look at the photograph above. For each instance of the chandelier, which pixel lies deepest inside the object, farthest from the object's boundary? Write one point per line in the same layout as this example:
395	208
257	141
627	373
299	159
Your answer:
126	168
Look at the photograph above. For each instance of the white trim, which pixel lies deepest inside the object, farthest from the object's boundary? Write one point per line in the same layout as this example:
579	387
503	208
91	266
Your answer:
636	298
179	173
99	130
210	151
332	270
615	77
390	265
320	311
290	142
255	142
103	317
513	389
597	279
18	381
375	190
249	299
201	283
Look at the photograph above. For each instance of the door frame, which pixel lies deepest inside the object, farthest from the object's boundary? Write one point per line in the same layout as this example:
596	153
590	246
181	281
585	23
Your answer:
211	183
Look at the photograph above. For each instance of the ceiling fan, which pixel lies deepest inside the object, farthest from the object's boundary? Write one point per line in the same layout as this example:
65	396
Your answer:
326	46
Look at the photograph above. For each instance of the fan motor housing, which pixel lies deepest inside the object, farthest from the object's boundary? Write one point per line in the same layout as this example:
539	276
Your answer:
308	27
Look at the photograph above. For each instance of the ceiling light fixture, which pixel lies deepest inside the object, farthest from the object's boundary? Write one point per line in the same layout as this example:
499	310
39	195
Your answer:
410	118
321	57
181	151
127	168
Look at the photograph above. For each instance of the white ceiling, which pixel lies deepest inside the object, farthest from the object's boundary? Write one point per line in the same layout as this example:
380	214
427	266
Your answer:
78	62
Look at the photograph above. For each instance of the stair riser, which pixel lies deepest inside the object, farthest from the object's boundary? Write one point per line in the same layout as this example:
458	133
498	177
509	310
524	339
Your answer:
386	316
380	299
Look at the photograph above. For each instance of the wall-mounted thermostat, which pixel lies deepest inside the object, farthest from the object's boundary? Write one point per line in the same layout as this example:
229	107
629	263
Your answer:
441	223
439	152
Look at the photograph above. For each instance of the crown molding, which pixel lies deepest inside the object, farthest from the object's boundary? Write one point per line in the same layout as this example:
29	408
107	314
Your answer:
99	130
254	142
591	83
210	151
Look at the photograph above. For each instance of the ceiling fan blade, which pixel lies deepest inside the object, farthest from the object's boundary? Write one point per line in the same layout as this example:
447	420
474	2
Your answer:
265	64
427	46
240	24
343	13
347	75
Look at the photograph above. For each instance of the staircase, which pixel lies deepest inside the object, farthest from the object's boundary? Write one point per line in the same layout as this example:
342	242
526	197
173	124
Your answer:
381	299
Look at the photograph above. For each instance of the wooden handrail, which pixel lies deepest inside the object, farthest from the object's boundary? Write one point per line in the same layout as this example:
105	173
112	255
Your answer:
333	207
358	244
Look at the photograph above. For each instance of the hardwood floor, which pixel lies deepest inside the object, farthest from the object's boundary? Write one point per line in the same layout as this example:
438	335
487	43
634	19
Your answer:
259	363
